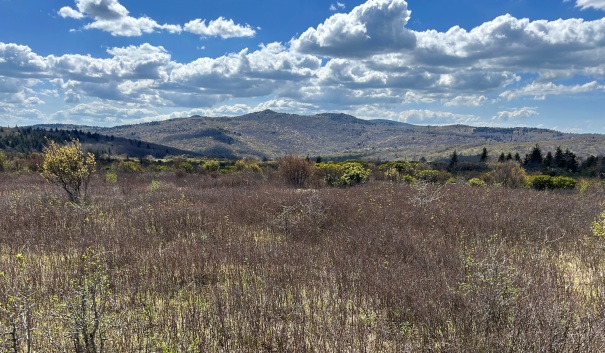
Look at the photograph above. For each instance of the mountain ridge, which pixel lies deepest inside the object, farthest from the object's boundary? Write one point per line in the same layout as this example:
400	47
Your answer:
270	134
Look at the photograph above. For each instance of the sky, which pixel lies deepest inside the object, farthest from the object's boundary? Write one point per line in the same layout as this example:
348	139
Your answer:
505	63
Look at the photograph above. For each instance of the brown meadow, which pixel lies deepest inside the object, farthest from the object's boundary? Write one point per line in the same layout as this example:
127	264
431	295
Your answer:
245	263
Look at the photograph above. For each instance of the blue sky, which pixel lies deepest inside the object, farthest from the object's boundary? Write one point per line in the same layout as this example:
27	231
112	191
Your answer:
538	63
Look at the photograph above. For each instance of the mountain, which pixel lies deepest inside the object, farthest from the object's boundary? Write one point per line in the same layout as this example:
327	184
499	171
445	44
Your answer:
33	139
268	134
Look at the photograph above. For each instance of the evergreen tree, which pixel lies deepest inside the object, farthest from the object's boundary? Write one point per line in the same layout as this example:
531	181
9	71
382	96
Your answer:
571	161
559	160
535	157
501	158
484	155
548	160
453	160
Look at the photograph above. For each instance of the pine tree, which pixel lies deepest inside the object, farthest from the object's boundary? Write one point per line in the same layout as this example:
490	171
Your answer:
484	155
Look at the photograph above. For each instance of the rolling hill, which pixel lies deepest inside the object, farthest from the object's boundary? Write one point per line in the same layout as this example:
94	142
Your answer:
269	134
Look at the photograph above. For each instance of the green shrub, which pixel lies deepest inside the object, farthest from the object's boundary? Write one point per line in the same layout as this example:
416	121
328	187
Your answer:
408	179
129	167
111	177
539	182
211	165
186	166
546	182
476	182
248	166
343	174
598	226
563	183
69	167
429	175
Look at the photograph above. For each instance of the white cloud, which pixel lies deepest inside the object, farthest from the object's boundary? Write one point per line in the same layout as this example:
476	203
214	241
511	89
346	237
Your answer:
68	12
596	4
377	26
429	117
337	6
516	114
111	16
540	91
220	27
20	61
466	100
364	62
507	43
102	112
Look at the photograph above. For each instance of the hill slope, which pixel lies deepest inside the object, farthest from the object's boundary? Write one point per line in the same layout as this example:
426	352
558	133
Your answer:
269	134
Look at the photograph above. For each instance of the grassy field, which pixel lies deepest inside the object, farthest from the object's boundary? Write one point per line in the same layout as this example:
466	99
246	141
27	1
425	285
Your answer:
244	263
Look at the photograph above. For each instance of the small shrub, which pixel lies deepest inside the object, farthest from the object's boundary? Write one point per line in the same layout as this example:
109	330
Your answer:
563	183
546	182
598	226
539	182
69	167
129	167
248	166
408	179
211	165
111	177
154	186
509	174
343	174
476	182
429	175
295	171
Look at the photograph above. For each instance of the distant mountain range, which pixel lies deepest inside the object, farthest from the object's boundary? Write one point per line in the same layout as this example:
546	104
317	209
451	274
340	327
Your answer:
269	134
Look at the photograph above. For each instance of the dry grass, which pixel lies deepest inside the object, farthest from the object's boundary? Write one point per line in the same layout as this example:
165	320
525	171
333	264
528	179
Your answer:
240	264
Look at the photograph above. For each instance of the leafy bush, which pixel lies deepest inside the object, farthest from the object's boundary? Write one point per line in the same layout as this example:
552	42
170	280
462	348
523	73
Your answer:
432	176
546	182
476	182
344	174
211	165
429	175
128	166
598	226
248	166
563	183
69	167
509	174
111	177
539	182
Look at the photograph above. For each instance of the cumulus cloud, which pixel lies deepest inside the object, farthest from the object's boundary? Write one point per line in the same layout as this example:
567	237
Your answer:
220	27
377	26
20	61
515	44
68	12
104	112
363	62
473	100
516	114
111	16
595	4
540	90
430	117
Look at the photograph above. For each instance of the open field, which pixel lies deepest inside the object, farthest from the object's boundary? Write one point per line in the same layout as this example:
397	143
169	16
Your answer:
244	263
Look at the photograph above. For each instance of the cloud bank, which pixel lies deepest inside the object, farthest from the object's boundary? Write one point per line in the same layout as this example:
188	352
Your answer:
112	17
364	62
